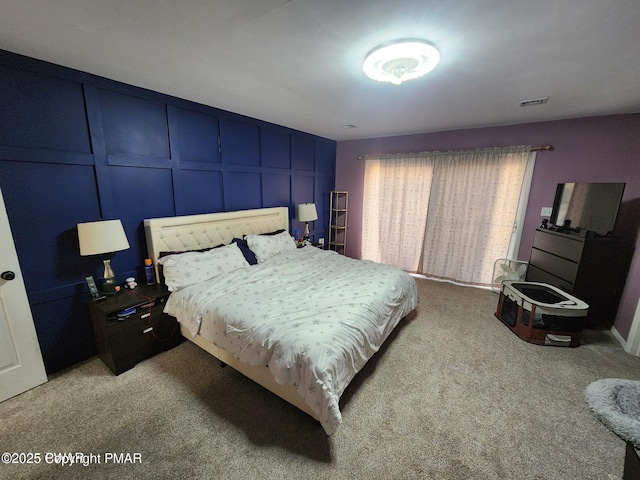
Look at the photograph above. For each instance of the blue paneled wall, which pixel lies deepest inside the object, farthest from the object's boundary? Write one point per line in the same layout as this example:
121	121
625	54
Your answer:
75	147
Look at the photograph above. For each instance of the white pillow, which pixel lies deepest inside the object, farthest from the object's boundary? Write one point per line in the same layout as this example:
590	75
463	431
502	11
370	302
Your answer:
184	269
267	246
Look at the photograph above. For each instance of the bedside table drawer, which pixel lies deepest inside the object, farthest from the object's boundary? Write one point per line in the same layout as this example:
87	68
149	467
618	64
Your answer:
131	340
140	336
142	319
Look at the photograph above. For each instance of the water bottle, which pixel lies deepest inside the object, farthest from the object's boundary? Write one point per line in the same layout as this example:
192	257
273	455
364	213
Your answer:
149	271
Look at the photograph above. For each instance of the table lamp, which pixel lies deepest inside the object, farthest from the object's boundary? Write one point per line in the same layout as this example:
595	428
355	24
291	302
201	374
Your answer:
307	213
104	237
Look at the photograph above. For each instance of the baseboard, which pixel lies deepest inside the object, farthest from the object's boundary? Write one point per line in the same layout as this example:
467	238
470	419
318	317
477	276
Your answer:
620	338
626	345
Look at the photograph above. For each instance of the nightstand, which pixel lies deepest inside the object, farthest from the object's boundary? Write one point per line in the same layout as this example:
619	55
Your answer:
631	463
126	339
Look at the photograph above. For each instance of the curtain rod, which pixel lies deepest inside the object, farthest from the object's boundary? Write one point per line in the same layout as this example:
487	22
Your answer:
539	148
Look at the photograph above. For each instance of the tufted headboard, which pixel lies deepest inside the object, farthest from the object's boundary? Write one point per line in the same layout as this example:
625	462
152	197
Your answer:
192	232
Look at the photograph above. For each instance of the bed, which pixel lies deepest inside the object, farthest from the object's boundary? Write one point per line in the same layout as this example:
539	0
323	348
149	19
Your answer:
301	322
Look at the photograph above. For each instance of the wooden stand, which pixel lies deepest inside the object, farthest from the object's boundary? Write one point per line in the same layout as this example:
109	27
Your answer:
123	341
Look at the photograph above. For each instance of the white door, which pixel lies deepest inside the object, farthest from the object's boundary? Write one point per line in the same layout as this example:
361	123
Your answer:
21	366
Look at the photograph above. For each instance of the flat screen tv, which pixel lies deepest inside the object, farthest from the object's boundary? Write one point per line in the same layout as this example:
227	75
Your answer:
591	207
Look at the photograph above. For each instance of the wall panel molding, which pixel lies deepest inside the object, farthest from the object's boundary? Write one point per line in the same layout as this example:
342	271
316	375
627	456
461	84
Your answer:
41	155
144	162
87	147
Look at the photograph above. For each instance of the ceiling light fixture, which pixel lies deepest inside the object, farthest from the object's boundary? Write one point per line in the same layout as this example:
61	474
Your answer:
400	61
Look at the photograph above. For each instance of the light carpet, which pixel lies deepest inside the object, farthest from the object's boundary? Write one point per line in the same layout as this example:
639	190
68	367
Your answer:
453	394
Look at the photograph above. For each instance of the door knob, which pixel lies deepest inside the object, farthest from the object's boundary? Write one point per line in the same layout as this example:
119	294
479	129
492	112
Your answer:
8	275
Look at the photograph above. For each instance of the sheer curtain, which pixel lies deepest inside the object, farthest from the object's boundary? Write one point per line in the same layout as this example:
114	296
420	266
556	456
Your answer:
395	207
449	216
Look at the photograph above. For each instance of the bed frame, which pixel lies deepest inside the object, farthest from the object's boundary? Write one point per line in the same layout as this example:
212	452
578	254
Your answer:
192	232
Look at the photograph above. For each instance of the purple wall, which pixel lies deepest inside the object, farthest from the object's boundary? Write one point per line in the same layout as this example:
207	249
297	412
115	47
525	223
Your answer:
593	149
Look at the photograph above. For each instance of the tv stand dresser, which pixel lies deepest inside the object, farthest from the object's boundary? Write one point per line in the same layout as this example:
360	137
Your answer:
583	264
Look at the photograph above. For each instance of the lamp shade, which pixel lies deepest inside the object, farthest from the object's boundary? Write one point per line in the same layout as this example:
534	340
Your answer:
104	236
307	212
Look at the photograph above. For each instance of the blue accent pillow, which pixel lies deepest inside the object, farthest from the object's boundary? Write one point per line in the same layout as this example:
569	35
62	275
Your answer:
273	233
249	256
164	254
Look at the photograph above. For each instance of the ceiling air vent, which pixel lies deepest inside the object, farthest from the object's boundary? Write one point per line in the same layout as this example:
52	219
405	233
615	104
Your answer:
533	101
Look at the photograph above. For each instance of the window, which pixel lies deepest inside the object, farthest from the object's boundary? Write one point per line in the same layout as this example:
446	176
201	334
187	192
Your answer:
445	215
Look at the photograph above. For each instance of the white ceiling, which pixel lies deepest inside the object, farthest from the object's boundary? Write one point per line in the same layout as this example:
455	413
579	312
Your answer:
298	63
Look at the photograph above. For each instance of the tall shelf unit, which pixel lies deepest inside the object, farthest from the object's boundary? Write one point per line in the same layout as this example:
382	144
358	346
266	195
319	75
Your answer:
338	207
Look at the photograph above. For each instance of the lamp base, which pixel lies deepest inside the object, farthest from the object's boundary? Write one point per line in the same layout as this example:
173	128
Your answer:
109	283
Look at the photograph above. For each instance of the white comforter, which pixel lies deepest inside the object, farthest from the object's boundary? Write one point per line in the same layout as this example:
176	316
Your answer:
312	316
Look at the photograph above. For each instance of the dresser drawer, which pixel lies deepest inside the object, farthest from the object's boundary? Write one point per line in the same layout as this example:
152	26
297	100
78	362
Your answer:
561	245
557	266
534	274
